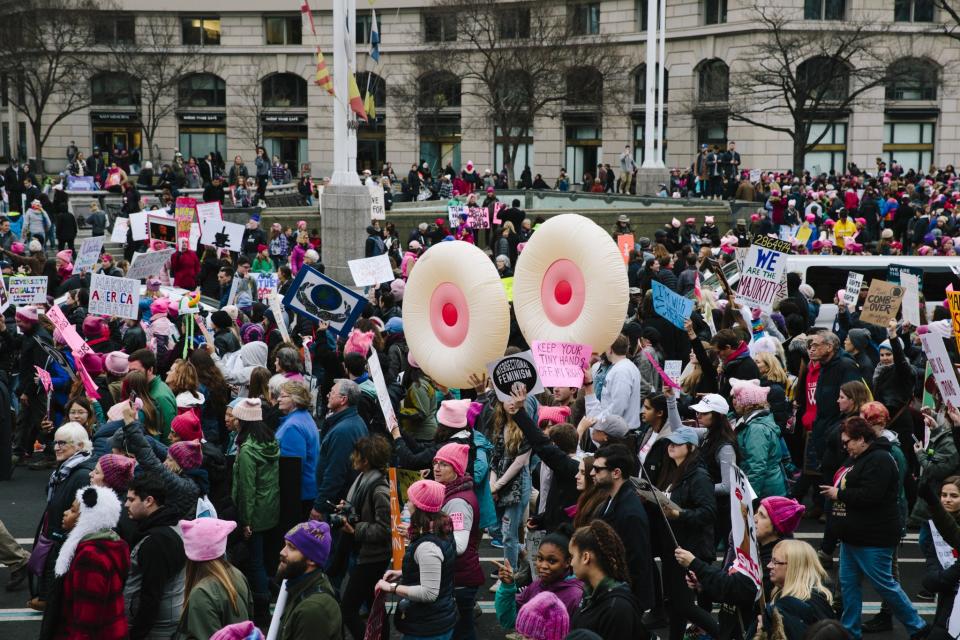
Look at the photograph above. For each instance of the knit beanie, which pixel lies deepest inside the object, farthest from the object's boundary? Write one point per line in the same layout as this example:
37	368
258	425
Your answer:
117	363
187	426
93	363
556	415
313	539
117	470
92	327
453	413
456	455
187	454
544	617
221	319
426	495
394	325
748	392
397	288
248	410
251	332
476	408
238	631
785	513
358	342
205	538
27	314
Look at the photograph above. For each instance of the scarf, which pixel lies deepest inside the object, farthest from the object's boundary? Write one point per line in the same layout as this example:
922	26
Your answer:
63	471
741	349
464	483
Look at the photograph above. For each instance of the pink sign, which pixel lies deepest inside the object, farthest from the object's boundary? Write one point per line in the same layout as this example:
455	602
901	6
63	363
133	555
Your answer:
664	376
497	208
44	376
68	331
560	364
88	382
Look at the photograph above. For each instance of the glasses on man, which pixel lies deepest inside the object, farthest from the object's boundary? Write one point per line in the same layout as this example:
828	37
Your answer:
595	469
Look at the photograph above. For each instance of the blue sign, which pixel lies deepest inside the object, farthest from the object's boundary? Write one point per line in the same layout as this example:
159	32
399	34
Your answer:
315	296
671	306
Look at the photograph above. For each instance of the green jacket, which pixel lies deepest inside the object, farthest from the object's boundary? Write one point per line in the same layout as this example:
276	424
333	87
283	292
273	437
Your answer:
209	610
262	266
312	612
758	438
166	406
256	484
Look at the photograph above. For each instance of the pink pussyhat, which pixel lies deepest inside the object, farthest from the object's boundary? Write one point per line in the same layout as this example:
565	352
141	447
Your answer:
784	513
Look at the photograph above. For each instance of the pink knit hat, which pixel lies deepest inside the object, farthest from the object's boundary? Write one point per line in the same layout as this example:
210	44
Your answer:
66	255
117	363
544	617
426	495
476	408
555	415
92	327
785	513
187	454
456	455
28	314
748	392
238	631
117	470
358	342
205	538
397	287
187	426
453	413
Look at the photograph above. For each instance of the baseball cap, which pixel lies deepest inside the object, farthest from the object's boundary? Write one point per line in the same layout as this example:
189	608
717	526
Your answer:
711	402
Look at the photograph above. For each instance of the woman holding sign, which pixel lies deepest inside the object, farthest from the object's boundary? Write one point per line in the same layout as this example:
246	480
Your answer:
943	571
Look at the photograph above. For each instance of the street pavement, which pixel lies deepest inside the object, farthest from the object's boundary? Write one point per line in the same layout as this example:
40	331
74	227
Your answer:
22	502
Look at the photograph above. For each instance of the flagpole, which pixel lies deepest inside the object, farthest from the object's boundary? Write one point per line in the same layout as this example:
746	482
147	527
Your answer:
344	136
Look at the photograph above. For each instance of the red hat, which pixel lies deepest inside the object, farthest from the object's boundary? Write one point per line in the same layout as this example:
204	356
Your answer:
187	454
187	426
261	247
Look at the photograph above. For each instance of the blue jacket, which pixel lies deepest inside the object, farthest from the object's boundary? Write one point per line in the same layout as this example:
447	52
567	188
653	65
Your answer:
334	470
298	436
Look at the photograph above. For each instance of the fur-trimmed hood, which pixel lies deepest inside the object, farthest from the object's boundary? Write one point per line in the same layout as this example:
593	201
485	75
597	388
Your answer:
99	513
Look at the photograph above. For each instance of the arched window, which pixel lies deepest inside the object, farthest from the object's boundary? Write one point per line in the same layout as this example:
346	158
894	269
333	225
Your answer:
822	79
640	84
584	87
113	89
913	79
203	90
368	81
713	81
439	89
284	90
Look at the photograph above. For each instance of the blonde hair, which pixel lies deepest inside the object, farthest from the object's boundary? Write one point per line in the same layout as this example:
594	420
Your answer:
804	572
298	392
503	423
218	570
775	370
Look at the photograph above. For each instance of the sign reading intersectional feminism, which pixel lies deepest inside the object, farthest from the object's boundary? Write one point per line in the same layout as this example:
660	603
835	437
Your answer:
323	299
27	289
148	264
518	367
378	205
852	293
763	269
267	285
911	298
743	531
370	271
560	364
183	216
942	369
882	303
671	306
222	235
478	217
89	254
207	211
626	244
110	296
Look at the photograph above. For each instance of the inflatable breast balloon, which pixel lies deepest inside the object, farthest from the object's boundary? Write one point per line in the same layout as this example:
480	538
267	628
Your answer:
455	313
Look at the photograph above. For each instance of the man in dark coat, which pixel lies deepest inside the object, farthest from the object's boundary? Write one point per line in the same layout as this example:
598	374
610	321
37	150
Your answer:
735	360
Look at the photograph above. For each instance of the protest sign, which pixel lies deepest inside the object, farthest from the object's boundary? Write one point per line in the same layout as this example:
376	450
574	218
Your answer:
279	317
183	216
911	298
89	253
162	229
894	271
518	367
743	531
667	380
671	306
803	234
27	289
380	384
323	299
110	296
763	273
852	293
508	287
953	299
454	209
267	285
497	208
371	271
81	183
88	384
120	228
69	333
626	244
207	211
148	264
882	303
942	368
138	226
378	206
560	364
478	217
222	235
4	297
673	369
754	175
45	379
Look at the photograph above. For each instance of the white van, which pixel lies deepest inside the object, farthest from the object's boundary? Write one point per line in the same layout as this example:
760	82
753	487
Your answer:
828	274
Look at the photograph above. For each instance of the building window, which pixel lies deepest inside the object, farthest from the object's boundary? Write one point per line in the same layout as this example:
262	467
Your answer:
365	25
120	30
115	90
640	84
640	15
913	10
639	141
823	9
830	153
713	81
203	90
514	23
584	87
712	130
912	79
440	140
524	157
284	30
714	11
201	31
909	144
284	90
583	142
199	141
439	90
583	18
439	27
823	79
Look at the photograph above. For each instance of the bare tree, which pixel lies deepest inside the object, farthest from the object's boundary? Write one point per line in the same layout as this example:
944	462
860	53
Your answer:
49	43
247	112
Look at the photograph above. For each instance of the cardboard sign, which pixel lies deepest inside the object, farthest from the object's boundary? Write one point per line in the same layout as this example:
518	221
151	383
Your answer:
671	306
27	290
942	368
763	273
222	235
626	244
89	254
852	293
69	333
45	380
207	211
911	298
516	368
267	285
162	229
673	369
743	531
882	303
560	364
138	226
120	228
371	271
110	296
478	218
803	234
88	384
453	214
148	264
378	206
323	299
183	215
953	299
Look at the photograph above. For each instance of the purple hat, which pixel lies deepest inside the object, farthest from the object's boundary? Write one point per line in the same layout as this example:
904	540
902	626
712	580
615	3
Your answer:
312	539
544	617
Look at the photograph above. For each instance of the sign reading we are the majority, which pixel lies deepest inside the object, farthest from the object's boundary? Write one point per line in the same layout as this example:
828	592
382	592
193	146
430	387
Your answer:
763	273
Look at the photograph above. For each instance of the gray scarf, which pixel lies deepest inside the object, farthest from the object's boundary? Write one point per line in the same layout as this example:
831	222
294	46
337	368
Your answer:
63	471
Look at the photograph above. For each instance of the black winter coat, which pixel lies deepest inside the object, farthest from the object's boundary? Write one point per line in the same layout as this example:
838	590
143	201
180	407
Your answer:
611	612
938	580
865	512
626	514
693	493
564	492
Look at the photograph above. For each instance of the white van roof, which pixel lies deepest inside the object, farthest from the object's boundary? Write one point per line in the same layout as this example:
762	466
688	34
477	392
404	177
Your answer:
799	264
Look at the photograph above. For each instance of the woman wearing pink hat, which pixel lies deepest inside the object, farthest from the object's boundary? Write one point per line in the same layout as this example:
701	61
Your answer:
758	438
425	584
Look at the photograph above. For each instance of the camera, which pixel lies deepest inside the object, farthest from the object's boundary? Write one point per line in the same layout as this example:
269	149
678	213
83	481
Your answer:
343	515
